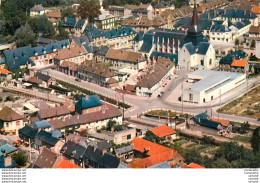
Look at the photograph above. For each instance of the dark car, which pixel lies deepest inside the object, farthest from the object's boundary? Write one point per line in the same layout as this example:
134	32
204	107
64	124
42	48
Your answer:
160	94
77	79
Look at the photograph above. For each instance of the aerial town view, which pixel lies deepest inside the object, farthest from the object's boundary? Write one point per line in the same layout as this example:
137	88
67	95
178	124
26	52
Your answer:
132	84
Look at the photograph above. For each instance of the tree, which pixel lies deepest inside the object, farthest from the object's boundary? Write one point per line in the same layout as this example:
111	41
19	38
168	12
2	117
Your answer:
24	36
62	33
237	42
221	163
253	43
150	136
208	140
89	9
110	124
41	25
244	128
255	140
20	158
67	12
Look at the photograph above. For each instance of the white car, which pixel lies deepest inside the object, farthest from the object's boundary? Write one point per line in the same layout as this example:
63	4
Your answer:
176	75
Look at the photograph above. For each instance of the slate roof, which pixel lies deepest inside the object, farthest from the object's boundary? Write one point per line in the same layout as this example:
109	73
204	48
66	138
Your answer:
2	162
172	57
46	137
203	48
107	160
82	40
124	149
73	150
233	13
220	28
7	114
190	48
46	159
103	145
41	124
56	133
92	101
202	119
242	24
42	76
28	131
102	51
7	149
238	54
73	22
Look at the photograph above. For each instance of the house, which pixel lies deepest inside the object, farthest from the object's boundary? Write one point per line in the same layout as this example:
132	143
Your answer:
53	113
92	121
69	68
115	38
226	61
43	138
5	75
98	73
46	78
54	17
88	104
27	133
125	153
254	32
100	53
95	158
192	165
37	10
63	163
41	125
240	66
164	131
150	83
11	121
163	6
213	5
46	159
74	152
124	136
125	59
76	54
207	85
75	25
7	149
224	127
38	82
7	162
149	154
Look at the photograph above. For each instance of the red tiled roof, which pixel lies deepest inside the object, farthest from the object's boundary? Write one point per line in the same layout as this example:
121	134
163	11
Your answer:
193	165
221	121
54	14
163	131
66	164
157	153
256	9
4	71
239	63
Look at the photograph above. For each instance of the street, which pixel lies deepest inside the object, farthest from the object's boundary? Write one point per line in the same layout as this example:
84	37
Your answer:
143	104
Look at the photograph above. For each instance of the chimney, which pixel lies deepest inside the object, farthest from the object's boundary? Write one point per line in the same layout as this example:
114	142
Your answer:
77	116
8	161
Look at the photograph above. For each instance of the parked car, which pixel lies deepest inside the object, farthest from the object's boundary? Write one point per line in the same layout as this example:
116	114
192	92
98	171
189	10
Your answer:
176	75
77	79
160	94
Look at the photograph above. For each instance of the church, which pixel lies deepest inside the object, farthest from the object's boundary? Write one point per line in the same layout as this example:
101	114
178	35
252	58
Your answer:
197	52
188	50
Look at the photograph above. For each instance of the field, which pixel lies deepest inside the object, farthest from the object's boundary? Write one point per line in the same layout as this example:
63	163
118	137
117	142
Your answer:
248	106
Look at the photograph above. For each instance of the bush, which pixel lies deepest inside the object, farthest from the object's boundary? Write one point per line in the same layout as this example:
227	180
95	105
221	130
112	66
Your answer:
208	140
20	158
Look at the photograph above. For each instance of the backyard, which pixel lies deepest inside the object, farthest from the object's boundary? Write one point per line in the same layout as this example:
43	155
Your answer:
248	106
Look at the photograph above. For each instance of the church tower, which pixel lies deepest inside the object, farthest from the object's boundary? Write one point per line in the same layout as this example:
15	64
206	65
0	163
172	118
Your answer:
194	34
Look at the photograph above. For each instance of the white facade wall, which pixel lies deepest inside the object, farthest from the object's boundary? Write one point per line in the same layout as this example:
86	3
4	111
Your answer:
207	96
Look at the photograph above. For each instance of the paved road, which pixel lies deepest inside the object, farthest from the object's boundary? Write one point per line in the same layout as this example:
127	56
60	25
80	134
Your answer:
143	104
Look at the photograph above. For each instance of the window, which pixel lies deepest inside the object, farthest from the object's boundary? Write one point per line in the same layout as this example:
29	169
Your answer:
123	138
210	61
204	100
17	123
191	97
128	137
7	125
211	97
201	62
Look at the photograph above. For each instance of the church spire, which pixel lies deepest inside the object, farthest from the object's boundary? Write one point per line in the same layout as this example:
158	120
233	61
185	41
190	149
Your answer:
194	25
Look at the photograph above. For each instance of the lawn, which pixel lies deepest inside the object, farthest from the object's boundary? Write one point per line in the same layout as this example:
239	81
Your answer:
248	106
